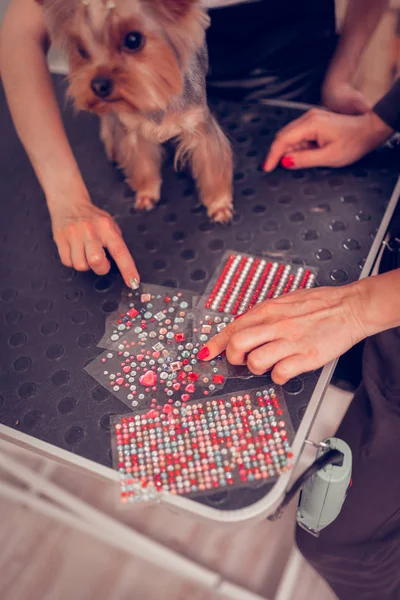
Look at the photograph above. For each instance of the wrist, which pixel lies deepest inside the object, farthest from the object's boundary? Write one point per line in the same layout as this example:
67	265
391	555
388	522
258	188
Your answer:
70	194
339	95
354	301
375	128
61	182
375	302
336	77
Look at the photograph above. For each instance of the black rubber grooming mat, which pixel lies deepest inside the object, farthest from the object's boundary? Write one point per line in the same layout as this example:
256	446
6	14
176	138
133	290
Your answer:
52	317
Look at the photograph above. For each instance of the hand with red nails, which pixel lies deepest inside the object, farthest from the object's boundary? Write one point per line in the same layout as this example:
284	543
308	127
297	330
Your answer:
81	231
323	139
293	334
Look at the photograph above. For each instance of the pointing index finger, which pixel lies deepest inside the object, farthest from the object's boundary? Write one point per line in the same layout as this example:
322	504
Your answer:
286	139
120	253
219	342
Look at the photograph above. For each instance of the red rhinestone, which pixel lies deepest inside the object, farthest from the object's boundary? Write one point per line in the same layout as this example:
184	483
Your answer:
193	377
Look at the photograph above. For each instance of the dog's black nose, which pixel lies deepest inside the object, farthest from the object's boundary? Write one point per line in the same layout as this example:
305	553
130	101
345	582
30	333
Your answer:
102	87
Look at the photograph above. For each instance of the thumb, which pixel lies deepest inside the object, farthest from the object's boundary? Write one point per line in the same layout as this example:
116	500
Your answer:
304	159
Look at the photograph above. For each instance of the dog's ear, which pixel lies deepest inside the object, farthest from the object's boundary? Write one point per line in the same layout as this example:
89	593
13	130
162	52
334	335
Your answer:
172	9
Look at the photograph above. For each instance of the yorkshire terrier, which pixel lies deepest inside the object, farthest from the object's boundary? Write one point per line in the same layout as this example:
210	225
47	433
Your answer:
141	66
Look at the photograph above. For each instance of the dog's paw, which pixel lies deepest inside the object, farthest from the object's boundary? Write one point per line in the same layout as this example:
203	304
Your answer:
145	202
222	213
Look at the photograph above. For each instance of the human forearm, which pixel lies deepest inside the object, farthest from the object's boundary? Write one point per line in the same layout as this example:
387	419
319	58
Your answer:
81	230
33	105
377	304
362	18
338	93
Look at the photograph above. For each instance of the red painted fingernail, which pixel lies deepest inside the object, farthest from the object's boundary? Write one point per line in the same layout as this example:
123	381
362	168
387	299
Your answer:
204	353
287	162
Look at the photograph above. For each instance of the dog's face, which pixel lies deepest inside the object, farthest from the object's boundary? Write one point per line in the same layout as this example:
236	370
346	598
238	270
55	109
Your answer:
126	55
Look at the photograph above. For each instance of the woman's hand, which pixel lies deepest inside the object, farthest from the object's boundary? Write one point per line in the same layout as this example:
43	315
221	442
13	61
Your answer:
320	138
293	334
82	231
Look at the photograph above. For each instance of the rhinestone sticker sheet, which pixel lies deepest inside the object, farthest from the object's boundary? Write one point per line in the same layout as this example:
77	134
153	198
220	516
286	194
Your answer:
140	312
235	440
242	281
149	377
156	360
123	319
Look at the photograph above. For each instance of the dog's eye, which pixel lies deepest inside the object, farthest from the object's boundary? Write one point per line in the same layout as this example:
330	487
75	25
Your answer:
82	52
133	41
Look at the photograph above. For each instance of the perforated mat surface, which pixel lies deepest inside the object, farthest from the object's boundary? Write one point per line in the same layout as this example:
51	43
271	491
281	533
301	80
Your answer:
52	317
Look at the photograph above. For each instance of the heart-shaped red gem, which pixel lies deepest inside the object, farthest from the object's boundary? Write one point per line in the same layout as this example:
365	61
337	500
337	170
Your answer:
120	381
126	369
140	357
190	388
148	379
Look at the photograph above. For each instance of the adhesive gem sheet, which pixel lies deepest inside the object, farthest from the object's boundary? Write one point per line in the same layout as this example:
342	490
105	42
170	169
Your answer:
242	281
167	318
120	321
230	441
148	378
146	314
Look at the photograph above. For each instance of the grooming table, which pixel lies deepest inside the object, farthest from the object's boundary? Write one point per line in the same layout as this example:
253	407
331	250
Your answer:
52	317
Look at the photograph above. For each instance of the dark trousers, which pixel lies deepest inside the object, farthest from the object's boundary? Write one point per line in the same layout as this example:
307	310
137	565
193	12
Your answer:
359	554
